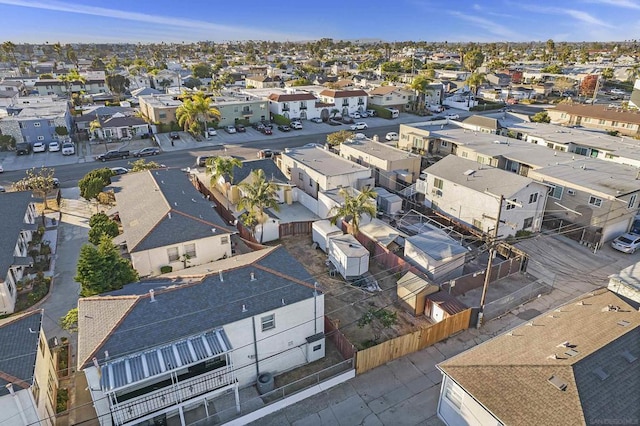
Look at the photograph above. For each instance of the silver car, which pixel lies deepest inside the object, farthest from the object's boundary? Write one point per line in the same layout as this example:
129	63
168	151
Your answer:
626	243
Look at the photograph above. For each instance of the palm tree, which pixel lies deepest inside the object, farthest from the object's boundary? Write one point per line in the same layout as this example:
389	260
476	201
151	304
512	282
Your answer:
420	84
353	208
10	48
633	72
218	167
258	194
70	78
195	109
474	81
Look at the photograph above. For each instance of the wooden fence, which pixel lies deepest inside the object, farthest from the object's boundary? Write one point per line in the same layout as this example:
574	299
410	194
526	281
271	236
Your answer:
295	228
344	346
400	346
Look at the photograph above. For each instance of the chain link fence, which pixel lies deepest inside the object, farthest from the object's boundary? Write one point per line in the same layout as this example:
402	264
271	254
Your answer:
507	303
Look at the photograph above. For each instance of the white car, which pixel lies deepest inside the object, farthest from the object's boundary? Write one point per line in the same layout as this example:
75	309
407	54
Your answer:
363	114
68	148
356	115
316	120
391	136
211	131
54	146
360	125
39	147
120	170
296	125
452	116
230	129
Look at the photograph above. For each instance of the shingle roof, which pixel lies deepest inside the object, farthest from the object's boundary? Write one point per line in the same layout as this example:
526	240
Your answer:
271	171
509	375
384	90
19	335
600	112
123	121
161	207
13	207
184	308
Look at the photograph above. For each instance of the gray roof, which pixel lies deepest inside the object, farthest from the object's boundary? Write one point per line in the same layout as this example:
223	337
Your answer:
123	121
379	150
183	309
437	245
13	207
161	207
322	161
18	350
482	121
486	178
271	171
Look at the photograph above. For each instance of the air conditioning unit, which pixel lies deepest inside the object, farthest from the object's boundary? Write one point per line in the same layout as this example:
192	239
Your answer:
571	192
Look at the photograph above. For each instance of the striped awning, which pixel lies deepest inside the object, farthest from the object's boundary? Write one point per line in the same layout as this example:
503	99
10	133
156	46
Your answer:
123	372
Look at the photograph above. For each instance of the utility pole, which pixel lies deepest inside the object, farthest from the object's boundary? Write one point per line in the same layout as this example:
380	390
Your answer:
492	251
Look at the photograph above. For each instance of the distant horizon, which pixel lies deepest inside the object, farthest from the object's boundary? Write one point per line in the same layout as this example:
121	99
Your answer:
92	22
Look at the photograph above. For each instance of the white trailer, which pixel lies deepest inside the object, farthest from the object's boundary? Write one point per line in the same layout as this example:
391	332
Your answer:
322	231
348	256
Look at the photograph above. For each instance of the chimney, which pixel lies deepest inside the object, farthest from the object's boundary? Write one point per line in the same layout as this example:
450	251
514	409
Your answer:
253	276
9	387
221	277
151	295
169	215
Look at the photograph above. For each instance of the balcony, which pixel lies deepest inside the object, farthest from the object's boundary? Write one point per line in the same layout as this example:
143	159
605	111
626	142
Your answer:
172	395
247	112
285	108
360	102
303	106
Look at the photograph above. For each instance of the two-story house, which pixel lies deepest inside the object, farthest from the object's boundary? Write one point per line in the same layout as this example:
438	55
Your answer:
155	349
393	168
300	105
28	378
18	214
167	223
346	101
391	97
234	109
159	109
37	122
598	117
470	192
263	81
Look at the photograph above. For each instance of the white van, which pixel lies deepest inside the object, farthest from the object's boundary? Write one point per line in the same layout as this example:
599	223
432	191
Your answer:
394	112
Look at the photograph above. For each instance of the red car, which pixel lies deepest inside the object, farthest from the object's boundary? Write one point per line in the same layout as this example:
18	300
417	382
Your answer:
267	131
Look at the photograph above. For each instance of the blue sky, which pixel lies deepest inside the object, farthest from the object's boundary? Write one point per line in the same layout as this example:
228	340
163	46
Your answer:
39	21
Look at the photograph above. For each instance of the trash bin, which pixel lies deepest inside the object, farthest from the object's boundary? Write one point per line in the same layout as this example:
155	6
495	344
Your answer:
265	383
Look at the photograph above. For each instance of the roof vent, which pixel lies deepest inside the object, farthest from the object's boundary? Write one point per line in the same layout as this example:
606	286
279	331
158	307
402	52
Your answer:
580	303
283	302
175	203
193	200
221	277
553	356
628	356
469	172
600	373
151	295
623	323
169	215
213	230
610	308
564	345
558	383
106	354
244	308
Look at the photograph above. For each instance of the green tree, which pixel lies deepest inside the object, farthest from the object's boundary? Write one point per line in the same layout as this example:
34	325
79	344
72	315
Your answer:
354	207
70	78
10	49
41	182
420	85
607	73
392	67
474	81
218	167
92	184
194	112
473	59
258	194
69	322
541	117
7	142
101	269
633	72
552	69
379	319
300	82
202	70
72	56
100	225
336	138
141	165
45	76
118	84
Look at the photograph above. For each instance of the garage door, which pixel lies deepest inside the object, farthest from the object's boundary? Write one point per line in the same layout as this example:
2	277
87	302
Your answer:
613	230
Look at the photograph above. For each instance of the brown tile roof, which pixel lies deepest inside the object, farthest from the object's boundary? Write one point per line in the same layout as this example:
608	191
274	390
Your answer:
291	97
342	93
600	112
324	104
509	375
384	90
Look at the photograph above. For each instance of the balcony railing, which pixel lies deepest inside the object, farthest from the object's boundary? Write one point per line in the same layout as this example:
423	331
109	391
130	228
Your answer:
303	107
285	108
174	394
247	112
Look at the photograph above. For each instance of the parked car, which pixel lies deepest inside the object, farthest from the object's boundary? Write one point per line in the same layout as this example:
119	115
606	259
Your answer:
258	126
56	182
2	189
316	120
68	148
150	150
296	125
230	129
120	170
356	115
360	125
201	161
452	116
267	130
54	146
626	243
23	148
364	114
174	135
211	131
371	112
268	153
284	128
39	147
240	128
112	155
391	136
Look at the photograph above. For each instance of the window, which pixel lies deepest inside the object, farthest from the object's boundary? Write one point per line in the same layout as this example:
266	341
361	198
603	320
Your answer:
190	250
268	322
444	144
40	138
465	154
601	121
632	201
173	255
582	151
595	201
162	115
42	345
224	240
453	395
36	391
52	385
511	205
555	191
50	122
36	124
527	223
300	176
438	183
317	347
614	123
533	198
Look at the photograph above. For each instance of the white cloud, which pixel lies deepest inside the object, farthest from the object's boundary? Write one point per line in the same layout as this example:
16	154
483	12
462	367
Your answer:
186	25
628	4
489	26
585	17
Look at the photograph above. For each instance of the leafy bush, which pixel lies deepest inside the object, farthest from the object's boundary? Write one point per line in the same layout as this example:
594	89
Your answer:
380	111
62	399
166	269
281	120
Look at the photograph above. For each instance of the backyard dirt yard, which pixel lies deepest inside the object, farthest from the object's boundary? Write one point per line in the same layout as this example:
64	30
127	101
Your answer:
346	304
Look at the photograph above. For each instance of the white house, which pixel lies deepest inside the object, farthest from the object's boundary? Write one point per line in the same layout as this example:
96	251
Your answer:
28	377
577	364
120	126
441	257
167	222
156	349
346	101
300	105
18	214
470	192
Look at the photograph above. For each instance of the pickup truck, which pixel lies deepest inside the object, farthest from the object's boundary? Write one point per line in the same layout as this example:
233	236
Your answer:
113	155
